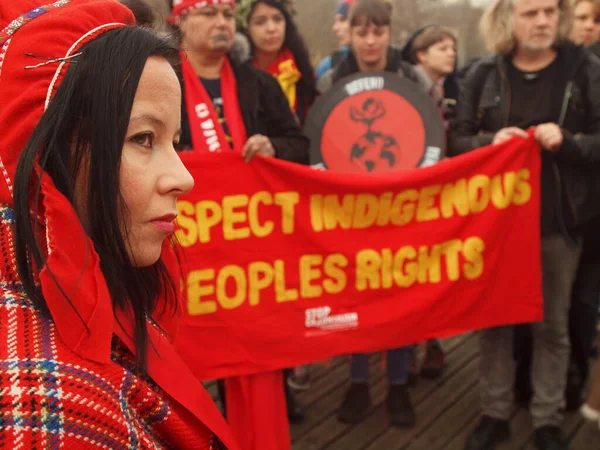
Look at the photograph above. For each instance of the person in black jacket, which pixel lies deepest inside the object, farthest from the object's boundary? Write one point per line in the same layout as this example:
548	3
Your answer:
533	81
208	37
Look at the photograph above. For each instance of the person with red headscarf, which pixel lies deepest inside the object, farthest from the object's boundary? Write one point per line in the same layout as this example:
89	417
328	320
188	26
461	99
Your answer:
88	189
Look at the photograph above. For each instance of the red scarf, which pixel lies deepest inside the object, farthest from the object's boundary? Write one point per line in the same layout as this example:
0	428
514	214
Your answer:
286	72
207	132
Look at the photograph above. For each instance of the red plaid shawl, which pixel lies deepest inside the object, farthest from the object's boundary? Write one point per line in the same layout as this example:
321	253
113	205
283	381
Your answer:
52	398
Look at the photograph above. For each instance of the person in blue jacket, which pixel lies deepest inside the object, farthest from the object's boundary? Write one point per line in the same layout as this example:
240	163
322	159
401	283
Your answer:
341	28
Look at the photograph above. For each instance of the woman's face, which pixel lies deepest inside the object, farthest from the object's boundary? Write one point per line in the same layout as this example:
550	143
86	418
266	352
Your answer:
440	58
266	27
152	175
370	43
341	28
584	24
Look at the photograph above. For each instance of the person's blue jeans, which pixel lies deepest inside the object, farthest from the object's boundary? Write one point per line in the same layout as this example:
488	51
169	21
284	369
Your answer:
397	366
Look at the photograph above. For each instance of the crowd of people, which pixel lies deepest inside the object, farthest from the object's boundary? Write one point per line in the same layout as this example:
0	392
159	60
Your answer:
91	178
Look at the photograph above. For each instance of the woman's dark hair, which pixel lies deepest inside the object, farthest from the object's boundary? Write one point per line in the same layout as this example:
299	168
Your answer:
366	12
81	135
294	42
144	15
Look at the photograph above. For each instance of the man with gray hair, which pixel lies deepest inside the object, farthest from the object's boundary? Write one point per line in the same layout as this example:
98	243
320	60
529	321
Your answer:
535	80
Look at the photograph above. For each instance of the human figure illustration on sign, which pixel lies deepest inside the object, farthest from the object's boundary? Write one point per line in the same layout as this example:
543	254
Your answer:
373	147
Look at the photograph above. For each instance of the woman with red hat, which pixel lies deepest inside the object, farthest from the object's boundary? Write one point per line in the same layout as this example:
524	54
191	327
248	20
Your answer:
88	189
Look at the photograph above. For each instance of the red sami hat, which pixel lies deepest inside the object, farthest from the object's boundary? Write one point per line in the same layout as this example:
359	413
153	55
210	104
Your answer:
180	7
56	30
46	36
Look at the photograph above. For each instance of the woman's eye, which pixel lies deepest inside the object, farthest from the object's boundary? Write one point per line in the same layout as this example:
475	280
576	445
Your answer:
144	139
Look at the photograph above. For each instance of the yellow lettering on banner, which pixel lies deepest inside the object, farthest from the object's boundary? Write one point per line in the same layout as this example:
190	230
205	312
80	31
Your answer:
383	218
333	268
451	250
430	264
365	211
260	277
258	229
336	214
241	283
232	217
287	201
309	273
502	189
187	233
282	294
426	210
479	193
196	291
473	253
208	214
316	212
387	268
523	188
368	270
404	207
406	269
455	198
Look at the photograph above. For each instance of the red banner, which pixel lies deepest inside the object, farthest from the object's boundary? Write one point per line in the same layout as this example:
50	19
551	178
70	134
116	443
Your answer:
286	265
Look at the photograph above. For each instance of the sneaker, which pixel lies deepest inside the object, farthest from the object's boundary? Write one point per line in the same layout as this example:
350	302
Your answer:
356	404
299	379
400	407
590	413
489	433
550	438
413	365
435	361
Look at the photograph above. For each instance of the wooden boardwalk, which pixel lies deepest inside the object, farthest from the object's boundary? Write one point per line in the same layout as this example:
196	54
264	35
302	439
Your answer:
447	410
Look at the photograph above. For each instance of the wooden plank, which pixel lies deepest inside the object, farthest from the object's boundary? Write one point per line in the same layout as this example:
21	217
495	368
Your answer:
322	426
450	423
587	437
458	441
571	425
429	403
339	374
320	370
521	430
333	389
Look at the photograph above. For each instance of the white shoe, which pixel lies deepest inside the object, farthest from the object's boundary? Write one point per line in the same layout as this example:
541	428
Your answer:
590	414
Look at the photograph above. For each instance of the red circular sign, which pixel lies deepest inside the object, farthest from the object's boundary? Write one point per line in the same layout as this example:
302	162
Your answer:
374	131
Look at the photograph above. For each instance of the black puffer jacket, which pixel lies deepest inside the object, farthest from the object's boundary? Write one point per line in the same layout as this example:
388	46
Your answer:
265	110
574	171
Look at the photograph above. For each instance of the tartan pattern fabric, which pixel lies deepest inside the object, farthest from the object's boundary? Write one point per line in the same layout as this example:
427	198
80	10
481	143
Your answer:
51	398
